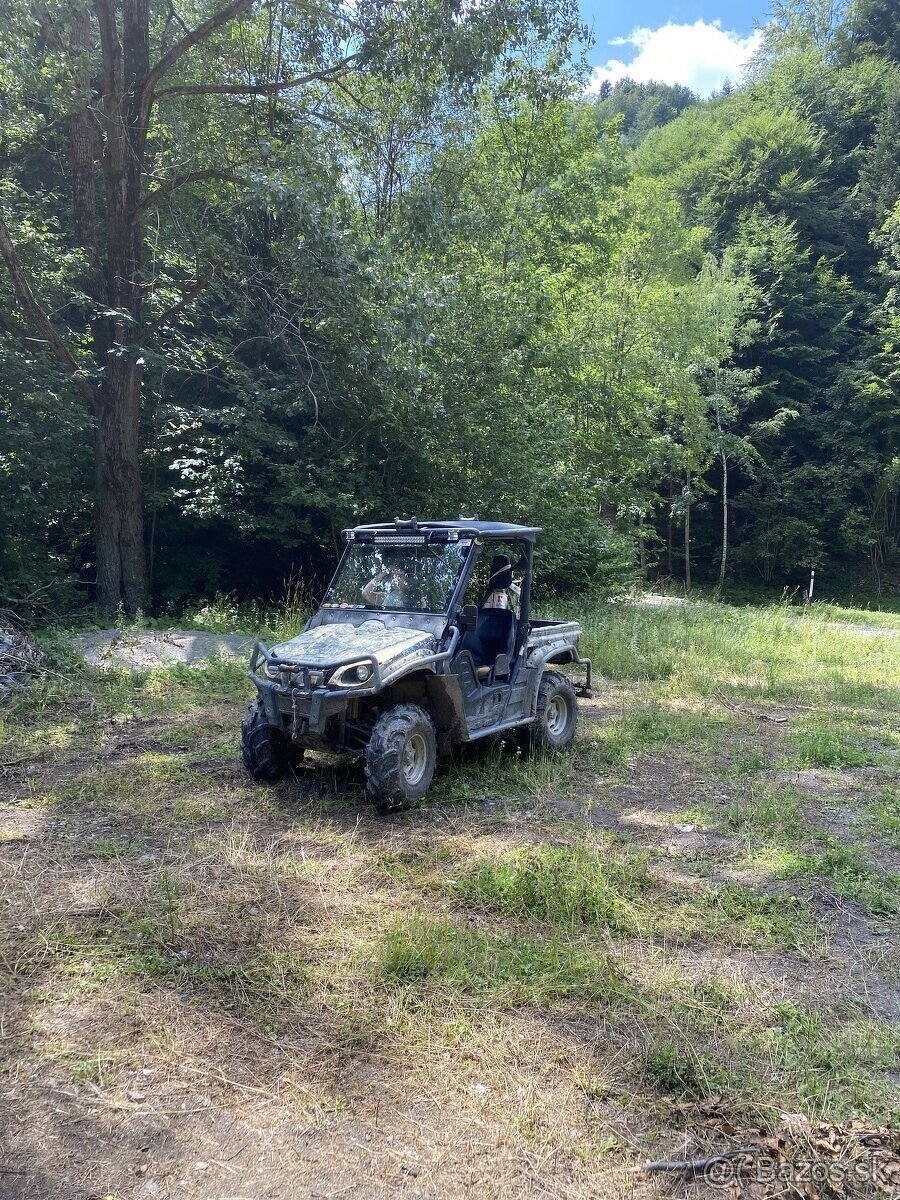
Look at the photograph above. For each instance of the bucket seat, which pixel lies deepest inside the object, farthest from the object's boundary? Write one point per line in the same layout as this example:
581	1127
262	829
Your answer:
495	631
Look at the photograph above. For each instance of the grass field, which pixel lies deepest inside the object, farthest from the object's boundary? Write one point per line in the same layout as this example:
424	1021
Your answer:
658	946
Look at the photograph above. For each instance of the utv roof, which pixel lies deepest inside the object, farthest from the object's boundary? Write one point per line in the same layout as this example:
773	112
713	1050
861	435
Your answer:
483	529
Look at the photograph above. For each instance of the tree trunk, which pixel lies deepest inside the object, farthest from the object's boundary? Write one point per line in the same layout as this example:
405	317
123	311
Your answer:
687	537
121	557
121	568
723	563
112	243
83	143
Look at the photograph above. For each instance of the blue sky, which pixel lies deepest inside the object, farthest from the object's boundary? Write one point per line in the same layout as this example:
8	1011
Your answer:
699	43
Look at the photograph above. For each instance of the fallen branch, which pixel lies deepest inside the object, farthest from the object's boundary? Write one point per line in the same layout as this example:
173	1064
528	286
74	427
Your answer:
134	1110
749	712
694	1165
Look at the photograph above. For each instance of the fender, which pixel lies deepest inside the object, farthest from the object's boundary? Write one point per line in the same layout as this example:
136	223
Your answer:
542	657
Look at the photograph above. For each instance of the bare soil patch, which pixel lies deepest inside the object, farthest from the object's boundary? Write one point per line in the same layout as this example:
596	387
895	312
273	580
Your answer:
149	649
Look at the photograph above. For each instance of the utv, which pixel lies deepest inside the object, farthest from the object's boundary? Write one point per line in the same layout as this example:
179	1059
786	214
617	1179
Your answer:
424	640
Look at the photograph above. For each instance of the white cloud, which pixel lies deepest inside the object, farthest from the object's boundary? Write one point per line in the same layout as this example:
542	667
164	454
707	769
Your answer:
701	56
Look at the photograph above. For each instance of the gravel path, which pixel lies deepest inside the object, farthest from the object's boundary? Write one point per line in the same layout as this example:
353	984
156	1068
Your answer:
142	651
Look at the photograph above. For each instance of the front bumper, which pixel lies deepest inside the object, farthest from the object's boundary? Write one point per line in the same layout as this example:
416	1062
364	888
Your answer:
301	696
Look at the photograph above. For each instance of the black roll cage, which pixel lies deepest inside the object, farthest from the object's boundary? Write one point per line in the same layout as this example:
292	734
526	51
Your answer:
444	536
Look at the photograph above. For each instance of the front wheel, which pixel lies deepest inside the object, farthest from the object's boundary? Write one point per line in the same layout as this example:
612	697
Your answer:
400	758
553	728
266	751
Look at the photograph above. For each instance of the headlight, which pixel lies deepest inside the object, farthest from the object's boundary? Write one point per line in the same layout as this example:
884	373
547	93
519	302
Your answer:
271	671
352	675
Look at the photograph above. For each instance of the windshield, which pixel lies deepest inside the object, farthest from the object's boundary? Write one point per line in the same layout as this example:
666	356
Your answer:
405	578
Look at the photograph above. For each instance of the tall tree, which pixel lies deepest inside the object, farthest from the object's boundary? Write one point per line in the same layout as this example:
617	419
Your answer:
871	27
108	70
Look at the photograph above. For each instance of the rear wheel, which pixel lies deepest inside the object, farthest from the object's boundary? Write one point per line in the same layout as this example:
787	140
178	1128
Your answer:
400	758
266	751
553	728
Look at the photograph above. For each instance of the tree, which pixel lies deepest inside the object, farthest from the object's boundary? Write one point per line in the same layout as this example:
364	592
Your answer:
798	26
879	176
643	106
871	28
723	299
134	83
115	97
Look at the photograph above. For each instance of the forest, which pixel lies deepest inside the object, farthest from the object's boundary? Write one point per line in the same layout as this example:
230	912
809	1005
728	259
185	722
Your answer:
272	268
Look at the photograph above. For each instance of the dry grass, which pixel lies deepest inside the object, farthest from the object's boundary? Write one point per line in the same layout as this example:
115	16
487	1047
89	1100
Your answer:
551	973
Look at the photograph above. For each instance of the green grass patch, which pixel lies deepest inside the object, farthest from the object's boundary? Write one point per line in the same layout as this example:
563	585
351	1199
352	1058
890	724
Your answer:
744	762
719	1035
650	728
228	746
109	849
850	874
500	769
566	888
150	786
827	1065
129	785
765	654
258	983
182	735
769	811
572	888
79	702
746	917
883	817
414	864
506	968
167	948
716	997
870	617
831	744
227	614
678	1067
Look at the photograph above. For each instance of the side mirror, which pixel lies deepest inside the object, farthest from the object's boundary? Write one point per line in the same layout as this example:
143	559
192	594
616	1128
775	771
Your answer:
468	617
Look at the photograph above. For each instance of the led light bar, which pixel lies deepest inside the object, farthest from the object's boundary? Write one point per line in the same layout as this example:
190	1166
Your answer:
420	538
399	539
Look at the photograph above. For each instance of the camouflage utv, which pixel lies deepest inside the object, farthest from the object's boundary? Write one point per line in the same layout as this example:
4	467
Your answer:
424	641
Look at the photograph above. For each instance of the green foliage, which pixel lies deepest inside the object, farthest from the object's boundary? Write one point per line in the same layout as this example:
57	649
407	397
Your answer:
774	653
884	817
664	329
851	874
775	170
680	1069
769	812
640	107
44	487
